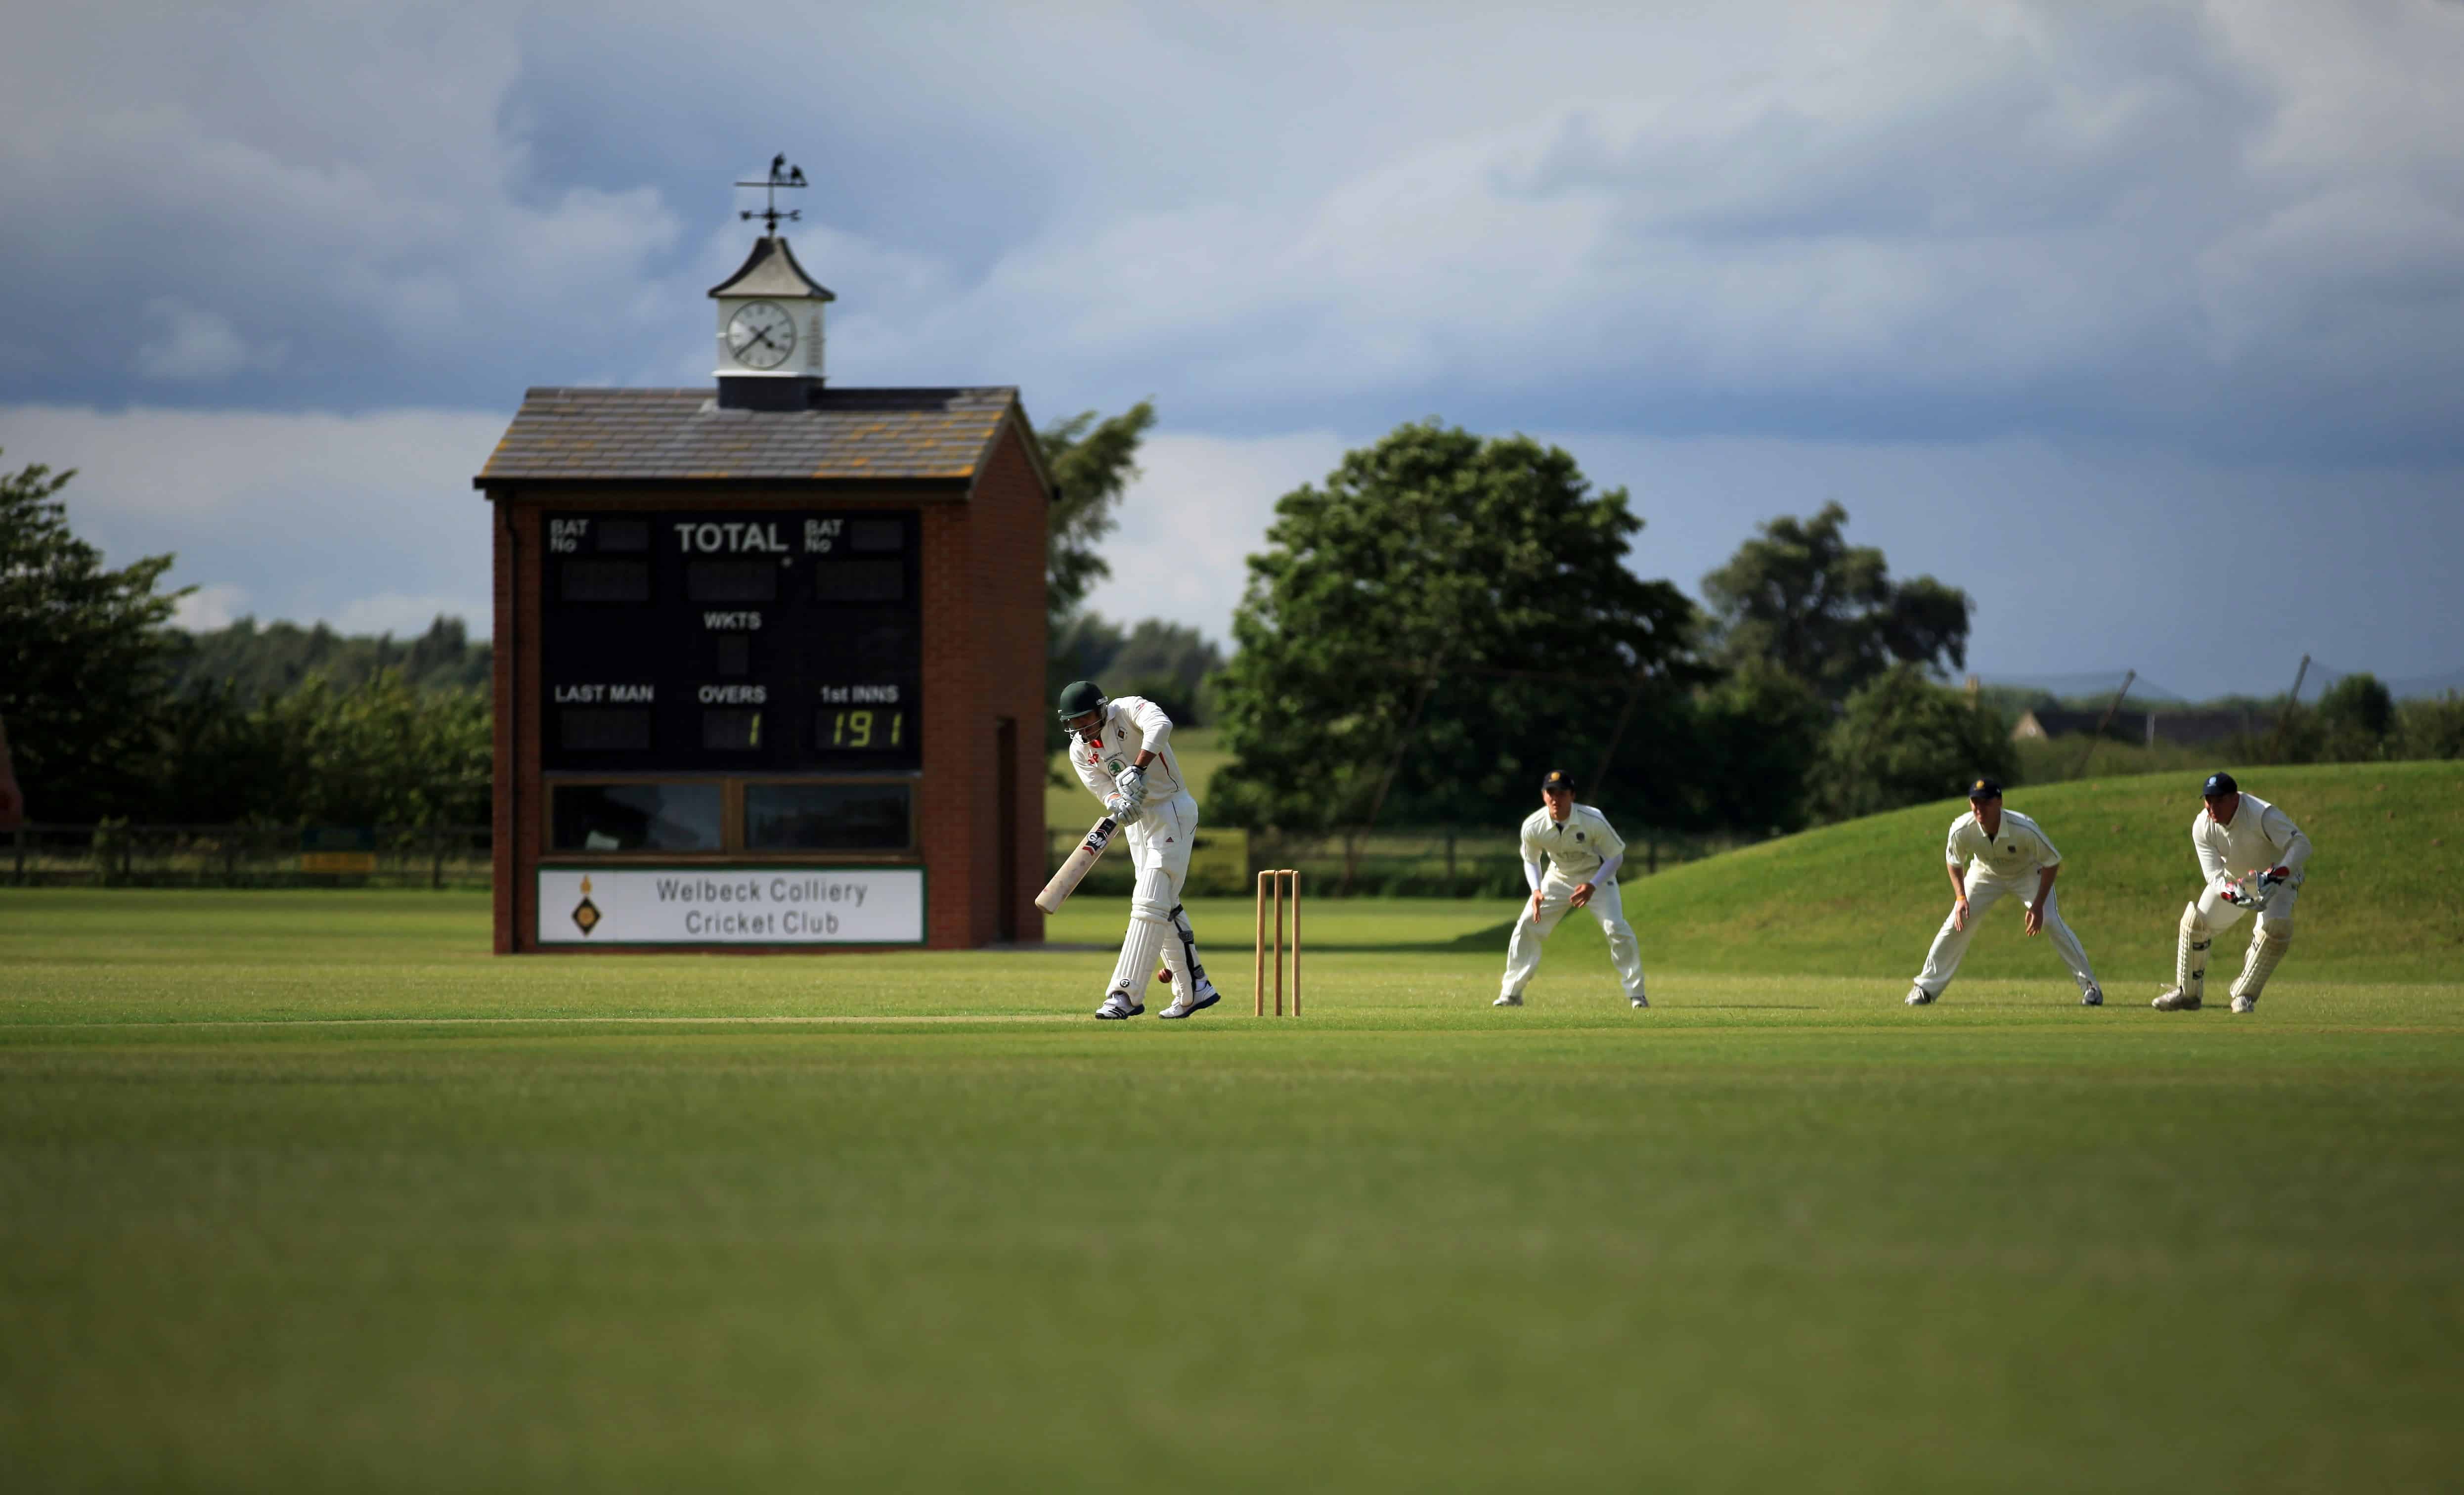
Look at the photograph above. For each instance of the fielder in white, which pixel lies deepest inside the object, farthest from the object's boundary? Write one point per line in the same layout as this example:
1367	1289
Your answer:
2005	852
2250	856
1571	857
1122	750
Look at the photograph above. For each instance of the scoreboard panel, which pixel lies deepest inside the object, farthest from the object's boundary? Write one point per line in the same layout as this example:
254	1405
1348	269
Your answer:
757	642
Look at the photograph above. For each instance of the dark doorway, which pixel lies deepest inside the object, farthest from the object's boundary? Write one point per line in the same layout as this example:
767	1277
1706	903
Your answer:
1005	768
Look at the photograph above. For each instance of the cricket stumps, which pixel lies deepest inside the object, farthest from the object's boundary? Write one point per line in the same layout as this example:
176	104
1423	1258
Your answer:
1272	885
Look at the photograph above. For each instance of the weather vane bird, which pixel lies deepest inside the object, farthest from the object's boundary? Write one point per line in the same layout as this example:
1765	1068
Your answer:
780	175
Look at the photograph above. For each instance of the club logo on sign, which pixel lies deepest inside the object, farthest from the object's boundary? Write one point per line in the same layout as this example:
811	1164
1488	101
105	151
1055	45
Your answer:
585	913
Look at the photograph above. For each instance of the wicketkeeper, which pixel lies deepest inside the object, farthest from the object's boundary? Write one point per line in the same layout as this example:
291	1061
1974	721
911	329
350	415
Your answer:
2005	852
2251	854
1122	750
1570	856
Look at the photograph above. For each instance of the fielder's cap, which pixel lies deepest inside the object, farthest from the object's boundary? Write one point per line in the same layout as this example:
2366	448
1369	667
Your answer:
1558	779
2216	784
1985	789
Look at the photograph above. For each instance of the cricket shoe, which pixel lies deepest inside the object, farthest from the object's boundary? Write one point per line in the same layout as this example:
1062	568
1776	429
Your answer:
2093	996
2173	1000
1507	1002
2245	1004
1120	1008
1642	1001
1919	997
1207	997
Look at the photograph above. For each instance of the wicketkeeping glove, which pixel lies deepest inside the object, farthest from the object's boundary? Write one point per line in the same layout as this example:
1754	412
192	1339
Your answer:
2254	888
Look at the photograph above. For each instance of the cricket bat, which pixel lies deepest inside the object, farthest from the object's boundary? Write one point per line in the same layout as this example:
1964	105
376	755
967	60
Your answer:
1065	882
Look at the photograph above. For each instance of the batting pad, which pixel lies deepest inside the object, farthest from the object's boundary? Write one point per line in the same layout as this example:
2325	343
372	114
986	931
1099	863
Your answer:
1153	897
2267	947
1181	955
2190	953
1138	948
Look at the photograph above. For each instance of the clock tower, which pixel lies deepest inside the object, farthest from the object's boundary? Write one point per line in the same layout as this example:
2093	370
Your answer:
770	317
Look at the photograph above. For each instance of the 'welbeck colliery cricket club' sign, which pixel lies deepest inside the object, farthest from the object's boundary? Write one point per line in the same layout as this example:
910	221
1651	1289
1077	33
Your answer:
731	905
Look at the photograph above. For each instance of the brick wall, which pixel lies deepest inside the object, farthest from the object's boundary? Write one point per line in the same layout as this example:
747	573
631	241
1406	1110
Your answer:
983	661
950	822
1013	513
501	684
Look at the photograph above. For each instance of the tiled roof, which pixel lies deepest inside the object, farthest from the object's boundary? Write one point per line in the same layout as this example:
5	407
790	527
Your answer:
682	434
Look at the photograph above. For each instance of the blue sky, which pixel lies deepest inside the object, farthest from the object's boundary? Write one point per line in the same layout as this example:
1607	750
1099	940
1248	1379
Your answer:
2144	323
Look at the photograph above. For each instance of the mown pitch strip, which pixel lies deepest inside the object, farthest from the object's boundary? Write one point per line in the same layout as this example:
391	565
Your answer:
304	1194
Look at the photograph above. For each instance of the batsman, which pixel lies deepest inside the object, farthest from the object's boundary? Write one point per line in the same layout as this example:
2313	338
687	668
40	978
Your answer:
1122	751
2250	856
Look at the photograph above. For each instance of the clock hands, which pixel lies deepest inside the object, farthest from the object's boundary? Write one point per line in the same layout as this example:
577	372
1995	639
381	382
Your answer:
760	336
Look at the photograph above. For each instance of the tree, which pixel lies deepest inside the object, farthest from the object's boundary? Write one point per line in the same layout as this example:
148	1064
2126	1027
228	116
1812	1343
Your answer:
2429	728
259	661
1092	462
1827	612
1168	663
1902	739
85	657
1755	738
1450	608
380	752
2357	712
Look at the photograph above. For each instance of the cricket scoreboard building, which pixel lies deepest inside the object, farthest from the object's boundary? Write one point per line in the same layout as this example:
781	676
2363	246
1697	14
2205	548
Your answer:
769	655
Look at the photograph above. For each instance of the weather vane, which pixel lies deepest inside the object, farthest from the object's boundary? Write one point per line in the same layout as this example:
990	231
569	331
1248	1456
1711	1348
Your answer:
781	175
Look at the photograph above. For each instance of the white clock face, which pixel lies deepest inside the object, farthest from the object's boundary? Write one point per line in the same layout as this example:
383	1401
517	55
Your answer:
760	335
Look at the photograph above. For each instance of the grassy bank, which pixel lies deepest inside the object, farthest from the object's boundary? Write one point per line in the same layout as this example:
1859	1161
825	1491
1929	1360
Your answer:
2384	899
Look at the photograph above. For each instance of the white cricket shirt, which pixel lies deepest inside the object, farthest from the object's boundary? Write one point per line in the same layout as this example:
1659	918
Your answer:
1130	723
2260	837
2018	850
1574	847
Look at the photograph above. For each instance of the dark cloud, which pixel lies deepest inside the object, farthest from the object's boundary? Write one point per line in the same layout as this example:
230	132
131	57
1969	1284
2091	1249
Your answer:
2231	231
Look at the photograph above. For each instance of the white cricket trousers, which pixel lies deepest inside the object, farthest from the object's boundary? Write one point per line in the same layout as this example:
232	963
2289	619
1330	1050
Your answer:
1159	838
1984	892
1556	896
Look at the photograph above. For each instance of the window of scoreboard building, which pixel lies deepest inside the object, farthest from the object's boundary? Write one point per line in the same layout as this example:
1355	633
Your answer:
750	642
713	817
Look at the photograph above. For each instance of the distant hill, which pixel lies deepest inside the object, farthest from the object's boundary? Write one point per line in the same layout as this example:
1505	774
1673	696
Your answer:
272	659
2384	901
2095	686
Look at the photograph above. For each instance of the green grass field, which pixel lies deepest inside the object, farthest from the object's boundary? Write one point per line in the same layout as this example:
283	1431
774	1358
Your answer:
304	1191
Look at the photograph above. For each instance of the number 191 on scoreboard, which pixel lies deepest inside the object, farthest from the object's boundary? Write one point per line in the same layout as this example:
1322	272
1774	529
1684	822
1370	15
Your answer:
857	729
